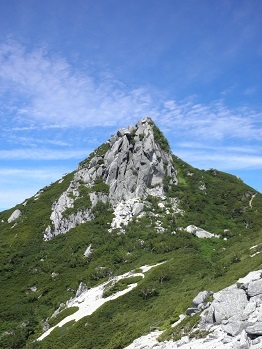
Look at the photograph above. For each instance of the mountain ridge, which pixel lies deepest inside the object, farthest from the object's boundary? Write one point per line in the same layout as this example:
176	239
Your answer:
130	203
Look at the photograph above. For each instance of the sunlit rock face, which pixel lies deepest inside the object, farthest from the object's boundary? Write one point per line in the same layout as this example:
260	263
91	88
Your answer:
133	164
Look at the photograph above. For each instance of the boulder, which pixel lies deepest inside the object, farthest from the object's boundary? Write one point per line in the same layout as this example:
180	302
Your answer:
88	251
254	288
234	328
200	233
230	302
81	288
245	342
200	298
137	208
14	216
192	310
255	329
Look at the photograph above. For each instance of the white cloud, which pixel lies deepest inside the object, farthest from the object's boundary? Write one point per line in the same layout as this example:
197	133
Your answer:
44	91
222	159
213	122
226	149
49	90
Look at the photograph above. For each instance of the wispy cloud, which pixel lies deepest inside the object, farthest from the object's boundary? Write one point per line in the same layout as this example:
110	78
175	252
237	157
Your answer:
222	160
215	121
208	147
48	88
45	91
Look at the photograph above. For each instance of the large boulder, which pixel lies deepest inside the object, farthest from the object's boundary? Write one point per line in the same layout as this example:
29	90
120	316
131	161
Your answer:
255	329
14	216
228	303
199	232
201	298
254	288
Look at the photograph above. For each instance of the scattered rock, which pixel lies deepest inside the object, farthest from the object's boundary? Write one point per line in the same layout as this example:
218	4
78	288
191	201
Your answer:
88	251
81	288
200	233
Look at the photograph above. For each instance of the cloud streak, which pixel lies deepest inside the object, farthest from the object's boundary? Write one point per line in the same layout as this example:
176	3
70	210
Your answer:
53	90
44	91
214	121
221	159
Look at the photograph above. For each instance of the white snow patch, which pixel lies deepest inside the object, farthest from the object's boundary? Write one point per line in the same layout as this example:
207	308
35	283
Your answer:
90	300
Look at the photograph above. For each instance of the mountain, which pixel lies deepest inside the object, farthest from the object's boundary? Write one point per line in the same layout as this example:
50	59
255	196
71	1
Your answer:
123	245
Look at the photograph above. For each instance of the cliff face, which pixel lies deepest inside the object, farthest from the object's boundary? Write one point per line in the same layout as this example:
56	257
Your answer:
131	165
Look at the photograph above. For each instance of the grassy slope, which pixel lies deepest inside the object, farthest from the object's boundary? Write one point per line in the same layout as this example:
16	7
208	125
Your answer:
192	264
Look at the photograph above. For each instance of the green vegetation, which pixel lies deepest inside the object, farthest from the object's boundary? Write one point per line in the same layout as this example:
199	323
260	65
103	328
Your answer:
82	202
99	152
37	276
100	186
62	315
184	328
120	285
160	138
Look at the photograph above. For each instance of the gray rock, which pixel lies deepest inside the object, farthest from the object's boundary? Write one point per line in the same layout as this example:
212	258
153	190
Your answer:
256	329
14	216
190	311
234	328
88	251
137	208
250	308
254	288
200	298
245	342
256	340
227	303
200	233
133	167
81	288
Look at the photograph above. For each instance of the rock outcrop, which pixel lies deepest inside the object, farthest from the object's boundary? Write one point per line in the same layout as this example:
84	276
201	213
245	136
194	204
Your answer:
230	318
237	312
131	165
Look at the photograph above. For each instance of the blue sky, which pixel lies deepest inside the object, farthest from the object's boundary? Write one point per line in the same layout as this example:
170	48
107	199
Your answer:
73	72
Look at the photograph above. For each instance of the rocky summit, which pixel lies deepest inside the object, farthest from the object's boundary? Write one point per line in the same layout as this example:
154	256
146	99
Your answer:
134	249
132	164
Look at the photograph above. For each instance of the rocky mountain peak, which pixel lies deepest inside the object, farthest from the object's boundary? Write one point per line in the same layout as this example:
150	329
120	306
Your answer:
135	163
131	165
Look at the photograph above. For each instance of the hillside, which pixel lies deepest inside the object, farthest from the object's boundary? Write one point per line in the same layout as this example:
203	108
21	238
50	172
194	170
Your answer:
131	203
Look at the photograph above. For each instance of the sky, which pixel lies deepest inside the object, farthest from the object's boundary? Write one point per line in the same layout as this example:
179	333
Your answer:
72	72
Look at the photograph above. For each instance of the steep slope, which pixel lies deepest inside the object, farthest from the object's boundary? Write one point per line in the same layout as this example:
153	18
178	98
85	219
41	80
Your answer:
130	203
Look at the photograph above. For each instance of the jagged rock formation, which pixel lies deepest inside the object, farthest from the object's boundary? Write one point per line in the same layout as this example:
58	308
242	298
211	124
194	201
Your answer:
130	166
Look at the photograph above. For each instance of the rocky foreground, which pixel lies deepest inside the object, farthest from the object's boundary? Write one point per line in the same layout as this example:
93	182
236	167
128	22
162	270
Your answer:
232	320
